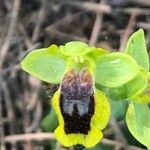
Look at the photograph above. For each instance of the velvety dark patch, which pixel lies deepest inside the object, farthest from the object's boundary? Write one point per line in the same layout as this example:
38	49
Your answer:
75	122
77	102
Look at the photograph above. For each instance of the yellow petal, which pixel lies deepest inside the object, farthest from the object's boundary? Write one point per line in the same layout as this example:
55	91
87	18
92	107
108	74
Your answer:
102	110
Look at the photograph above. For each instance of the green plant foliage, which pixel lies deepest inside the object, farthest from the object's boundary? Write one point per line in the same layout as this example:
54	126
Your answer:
136	47
50	122
137	117
116	94
137	85
45	64
130	90
138	122
53	144
142	98
119	109
115	69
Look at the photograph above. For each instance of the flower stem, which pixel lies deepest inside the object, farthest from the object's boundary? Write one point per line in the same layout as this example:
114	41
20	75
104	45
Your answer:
78	147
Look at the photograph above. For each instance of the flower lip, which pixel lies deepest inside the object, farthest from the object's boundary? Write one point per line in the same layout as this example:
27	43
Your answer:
77	101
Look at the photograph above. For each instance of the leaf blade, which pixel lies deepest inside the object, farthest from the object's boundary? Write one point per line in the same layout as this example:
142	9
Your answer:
49	122
137	85
136	47
138	123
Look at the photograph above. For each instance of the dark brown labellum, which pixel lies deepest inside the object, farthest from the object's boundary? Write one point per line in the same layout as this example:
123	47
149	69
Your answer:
77	101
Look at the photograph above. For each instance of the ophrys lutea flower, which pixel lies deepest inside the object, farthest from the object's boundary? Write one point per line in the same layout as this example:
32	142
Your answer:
82	110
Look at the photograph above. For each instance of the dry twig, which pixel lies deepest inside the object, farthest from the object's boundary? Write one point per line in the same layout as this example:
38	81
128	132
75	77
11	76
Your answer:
13	20
40	19
129	29
50	136
96	29
90	6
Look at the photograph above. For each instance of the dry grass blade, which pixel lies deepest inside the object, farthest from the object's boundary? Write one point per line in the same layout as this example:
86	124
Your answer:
50	136
13	21
90	6
29	137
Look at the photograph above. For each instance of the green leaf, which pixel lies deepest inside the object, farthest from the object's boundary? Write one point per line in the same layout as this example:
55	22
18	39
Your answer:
134	89
116	94
119	108
75	48
138	122
52	143
136	47
115	69
137	85
50	122
46	64
142	97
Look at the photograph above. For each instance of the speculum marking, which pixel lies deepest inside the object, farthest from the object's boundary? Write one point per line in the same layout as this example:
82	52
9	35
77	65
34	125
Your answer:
77	101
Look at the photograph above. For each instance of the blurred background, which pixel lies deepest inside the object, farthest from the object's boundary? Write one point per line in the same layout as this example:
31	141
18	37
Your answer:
26	119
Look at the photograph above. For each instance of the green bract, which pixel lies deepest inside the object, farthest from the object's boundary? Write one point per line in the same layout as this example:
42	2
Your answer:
137	118
137	85
130	90
115	69
136	47
138	122
45	64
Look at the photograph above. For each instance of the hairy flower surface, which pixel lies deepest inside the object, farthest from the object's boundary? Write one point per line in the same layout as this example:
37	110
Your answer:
82	111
